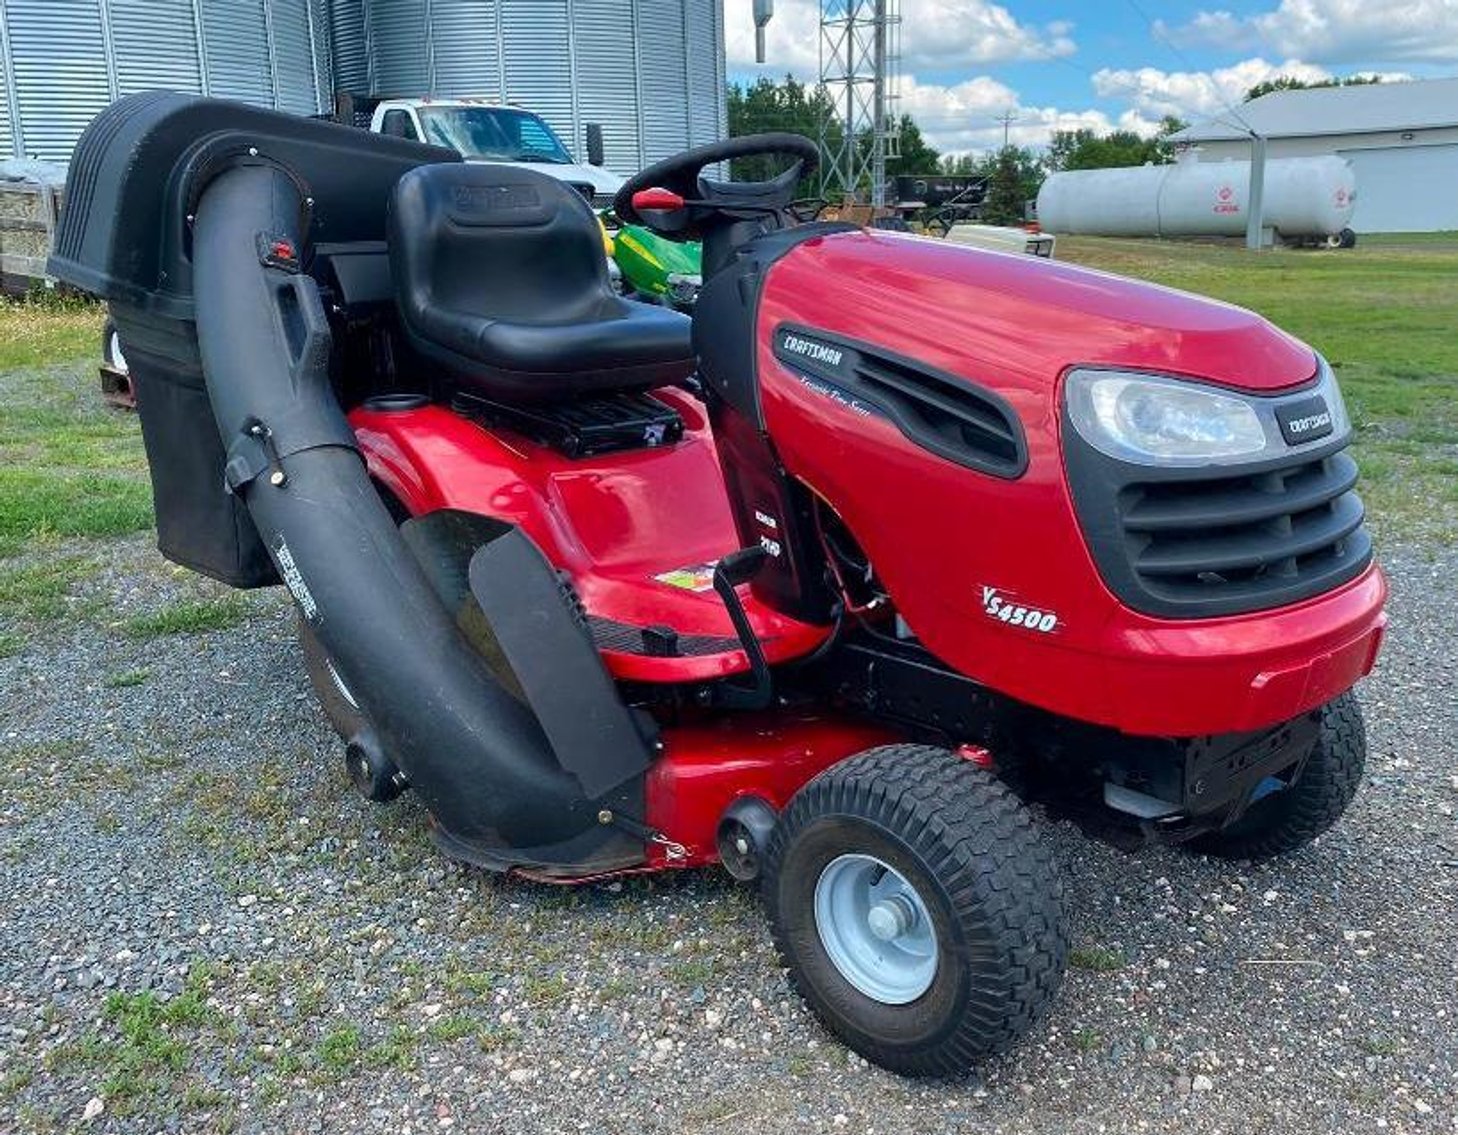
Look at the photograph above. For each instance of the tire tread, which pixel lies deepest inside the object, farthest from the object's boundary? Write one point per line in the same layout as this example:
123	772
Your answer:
1314	803
984	847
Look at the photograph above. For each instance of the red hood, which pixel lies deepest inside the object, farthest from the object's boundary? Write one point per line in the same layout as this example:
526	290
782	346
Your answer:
1031	315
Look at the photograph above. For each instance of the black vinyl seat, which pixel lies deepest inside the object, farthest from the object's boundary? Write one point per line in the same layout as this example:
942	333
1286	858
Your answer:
501	280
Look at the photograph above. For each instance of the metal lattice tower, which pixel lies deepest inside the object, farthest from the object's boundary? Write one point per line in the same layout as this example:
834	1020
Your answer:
860	69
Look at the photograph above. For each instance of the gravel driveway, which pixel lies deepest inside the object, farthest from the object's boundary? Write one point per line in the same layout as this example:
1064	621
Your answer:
203	929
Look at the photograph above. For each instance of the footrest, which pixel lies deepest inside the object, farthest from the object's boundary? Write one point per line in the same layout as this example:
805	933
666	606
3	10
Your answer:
656	641
583	428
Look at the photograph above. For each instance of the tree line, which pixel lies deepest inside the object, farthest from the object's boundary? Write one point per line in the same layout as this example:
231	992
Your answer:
1013	173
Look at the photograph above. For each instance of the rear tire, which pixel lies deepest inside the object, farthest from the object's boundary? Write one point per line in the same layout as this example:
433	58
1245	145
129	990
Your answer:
932	886
1292	817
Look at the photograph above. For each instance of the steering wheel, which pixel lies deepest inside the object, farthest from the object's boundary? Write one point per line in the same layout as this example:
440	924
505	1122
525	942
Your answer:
704	198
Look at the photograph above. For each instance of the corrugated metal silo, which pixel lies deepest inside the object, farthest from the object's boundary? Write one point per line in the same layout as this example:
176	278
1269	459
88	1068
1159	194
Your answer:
295	67
7	144
536	42
58	66
607	87
62	61
465	47
663	62
398	46
138	28
235	45
705	65
347	45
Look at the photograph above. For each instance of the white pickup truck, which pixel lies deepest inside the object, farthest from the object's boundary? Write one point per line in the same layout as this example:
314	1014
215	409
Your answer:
482	131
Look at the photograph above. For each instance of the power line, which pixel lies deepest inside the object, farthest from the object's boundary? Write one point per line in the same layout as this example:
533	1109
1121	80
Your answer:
1157	33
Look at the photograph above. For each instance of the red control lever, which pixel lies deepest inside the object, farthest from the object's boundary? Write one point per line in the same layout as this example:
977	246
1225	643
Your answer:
657	200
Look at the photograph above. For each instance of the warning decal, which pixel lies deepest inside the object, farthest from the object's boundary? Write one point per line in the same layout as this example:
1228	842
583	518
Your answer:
699	577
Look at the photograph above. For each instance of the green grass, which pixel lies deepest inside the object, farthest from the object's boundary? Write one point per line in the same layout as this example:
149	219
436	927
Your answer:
1385	314
189	616
68	465
42	590
125	679
340	1051
1099	959
1378	1046
549	990
397	1050
452	1028
145	1046
48	328
15	1081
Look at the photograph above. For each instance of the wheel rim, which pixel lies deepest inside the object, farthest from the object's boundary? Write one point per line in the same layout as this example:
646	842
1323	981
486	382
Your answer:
876	929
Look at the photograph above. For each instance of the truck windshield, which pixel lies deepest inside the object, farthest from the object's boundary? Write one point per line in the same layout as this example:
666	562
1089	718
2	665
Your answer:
493	132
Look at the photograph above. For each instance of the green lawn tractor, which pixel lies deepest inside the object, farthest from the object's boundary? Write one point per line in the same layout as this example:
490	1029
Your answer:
656	269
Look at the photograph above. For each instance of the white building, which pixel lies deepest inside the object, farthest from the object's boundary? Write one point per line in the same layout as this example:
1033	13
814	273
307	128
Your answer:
1401	138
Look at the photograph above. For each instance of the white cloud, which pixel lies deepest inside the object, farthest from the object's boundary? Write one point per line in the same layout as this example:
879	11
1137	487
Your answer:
1334	31
934	34
792	38
1195	94
962	118
953	35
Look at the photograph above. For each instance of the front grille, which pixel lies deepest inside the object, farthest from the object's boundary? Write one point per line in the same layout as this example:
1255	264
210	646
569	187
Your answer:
1198	543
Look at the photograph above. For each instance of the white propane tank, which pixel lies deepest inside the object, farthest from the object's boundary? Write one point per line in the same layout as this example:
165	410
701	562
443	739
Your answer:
1305	197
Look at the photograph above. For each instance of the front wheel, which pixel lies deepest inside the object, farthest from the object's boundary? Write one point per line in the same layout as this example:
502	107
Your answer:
917	909
1291	816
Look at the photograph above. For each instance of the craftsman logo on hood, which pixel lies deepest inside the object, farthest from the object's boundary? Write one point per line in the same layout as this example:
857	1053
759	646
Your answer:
818	352
1305	420
804	352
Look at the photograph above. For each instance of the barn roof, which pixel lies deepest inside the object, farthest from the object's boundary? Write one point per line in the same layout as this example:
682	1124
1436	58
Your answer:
1369	108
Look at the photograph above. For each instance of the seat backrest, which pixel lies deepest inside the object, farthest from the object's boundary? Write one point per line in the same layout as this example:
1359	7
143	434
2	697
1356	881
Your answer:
498	241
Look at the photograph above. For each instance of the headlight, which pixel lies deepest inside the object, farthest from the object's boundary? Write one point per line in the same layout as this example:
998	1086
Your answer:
683	288
1154	420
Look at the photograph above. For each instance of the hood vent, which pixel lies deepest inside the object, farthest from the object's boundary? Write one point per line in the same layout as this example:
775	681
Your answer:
943	413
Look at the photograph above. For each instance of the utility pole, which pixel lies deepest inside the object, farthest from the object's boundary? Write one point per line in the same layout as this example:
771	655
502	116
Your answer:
1007	118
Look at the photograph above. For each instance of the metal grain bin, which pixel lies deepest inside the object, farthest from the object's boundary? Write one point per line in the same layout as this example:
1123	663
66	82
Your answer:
62	61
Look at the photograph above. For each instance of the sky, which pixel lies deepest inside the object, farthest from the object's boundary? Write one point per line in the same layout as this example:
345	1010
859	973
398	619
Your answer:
1062	64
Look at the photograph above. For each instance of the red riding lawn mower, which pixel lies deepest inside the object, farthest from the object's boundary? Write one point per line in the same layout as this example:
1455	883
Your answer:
783	588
